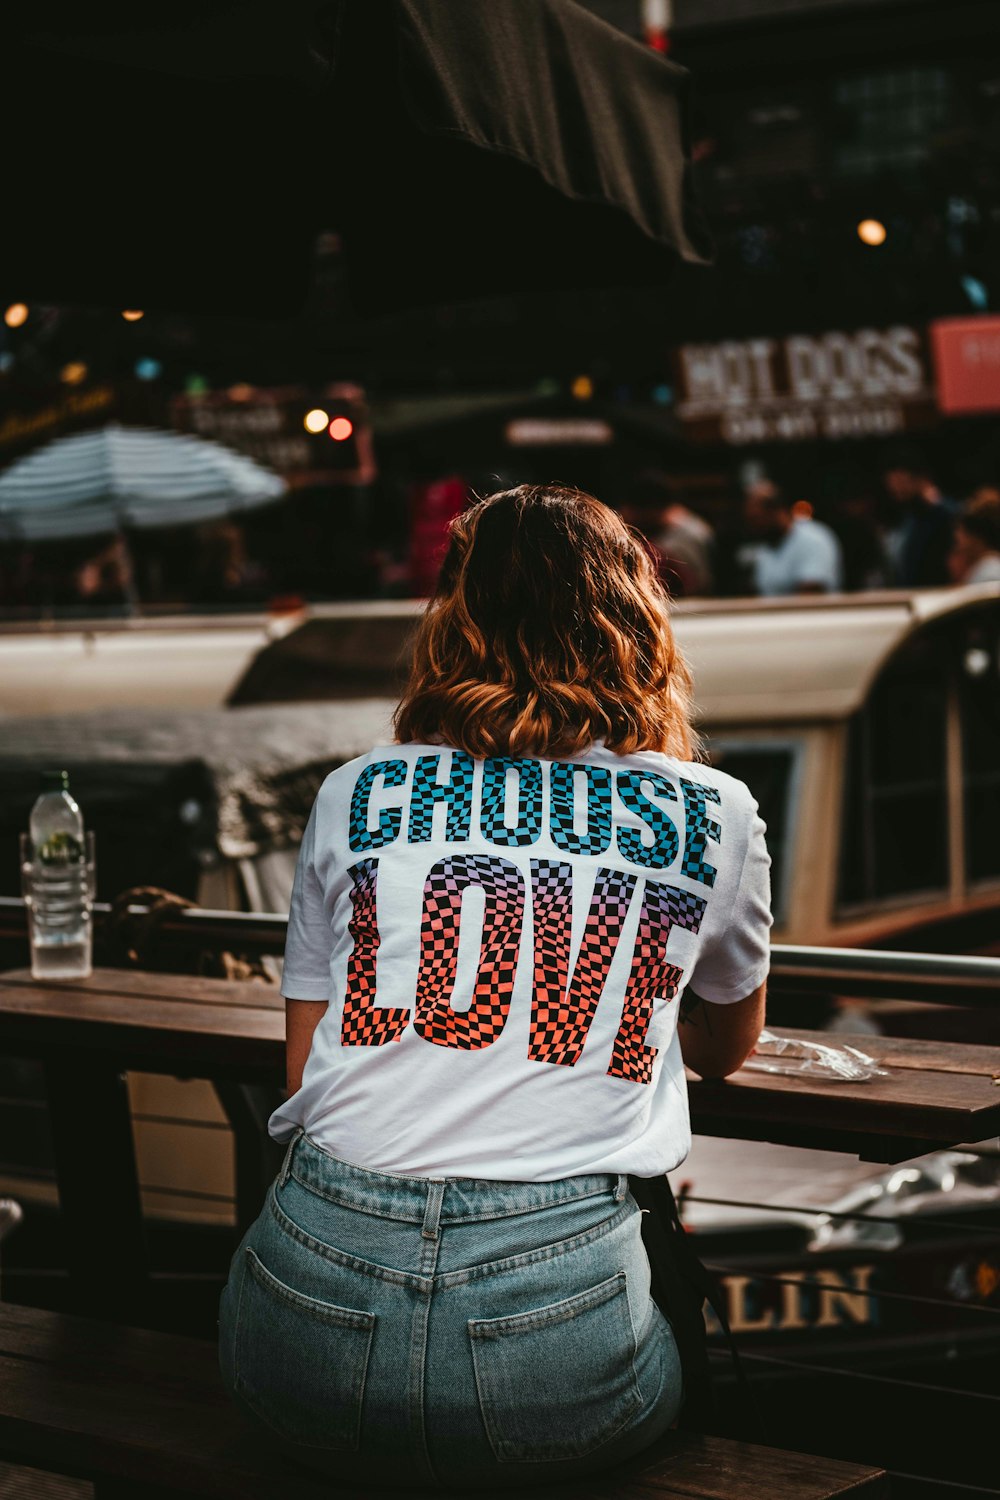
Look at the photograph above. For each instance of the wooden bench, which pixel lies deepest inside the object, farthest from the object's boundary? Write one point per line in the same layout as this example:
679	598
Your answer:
146	1417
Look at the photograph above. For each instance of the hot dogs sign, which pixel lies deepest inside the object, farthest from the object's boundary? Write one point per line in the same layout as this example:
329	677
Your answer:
867	383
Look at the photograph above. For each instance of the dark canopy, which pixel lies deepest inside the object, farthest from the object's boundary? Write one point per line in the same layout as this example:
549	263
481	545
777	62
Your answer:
461	149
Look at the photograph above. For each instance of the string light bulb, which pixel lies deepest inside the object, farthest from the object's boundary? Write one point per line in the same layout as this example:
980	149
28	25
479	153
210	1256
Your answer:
16	314
315	420
872	232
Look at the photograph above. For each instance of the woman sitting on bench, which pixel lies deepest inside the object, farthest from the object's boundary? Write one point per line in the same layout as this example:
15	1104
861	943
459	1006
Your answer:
492	923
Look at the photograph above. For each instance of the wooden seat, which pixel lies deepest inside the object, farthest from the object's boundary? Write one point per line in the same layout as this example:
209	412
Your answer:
145	1415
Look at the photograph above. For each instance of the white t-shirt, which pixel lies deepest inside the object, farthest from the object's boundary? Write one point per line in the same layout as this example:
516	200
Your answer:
809	553
503	944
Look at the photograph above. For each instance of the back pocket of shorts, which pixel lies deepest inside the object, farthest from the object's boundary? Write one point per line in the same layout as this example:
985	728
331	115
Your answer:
300	1363
558	1381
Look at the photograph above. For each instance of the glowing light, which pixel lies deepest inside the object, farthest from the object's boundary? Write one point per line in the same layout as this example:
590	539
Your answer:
341	429
802	508
74	372
241	392
663	394
582	388
132	315
872	232
15	315
196	385
315	420
148	369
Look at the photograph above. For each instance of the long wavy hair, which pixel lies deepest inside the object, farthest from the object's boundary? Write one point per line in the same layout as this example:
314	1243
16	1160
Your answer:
549	628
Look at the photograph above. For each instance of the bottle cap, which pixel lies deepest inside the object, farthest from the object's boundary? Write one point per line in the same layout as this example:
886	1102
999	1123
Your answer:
59	780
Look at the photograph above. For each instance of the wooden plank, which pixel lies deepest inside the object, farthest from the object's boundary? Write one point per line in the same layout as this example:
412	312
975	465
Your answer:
924	1106
158	1036
158	1096
145	984
924	1054
80	1396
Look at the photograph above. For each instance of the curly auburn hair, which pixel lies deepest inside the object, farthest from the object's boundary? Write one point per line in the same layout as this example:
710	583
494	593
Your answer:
548	629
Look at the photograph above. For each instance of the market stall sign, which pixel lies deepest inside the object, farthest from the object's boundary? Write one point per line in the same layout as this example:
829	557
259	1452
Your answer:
67	413
967	359
867	383
267	424
558	432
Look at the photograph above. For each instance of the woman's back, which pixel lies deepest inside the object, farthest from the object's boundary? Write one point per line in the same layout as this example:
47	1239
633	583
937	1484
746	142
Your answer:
510	940
492	922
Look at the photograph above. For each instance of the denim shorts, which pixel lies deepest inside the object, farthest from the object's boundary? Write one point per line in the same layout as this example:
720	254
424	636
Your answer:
440	1332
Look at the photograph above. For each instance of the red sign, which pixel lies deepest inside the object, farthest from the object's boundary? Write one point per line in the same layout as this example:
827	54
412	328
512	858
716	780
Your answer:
967	356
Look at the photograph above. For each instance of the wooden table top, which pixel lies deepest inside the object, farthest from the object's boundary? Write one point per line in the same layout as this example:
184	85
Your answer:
935	1094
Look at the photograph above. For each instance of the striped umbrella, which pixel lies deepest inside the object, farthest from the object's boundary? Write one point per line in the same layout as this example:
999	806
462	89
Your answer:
127	477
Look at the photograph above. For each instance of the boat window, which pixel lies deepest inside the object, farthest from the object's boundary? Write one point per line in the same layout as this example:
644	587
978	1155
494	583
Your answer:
979	705
895	814
767	771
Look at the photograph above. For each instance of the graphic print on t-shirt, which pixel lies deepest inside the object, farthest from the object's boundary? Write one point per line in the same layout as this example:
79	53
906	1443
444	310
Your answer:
563	1008
499	945
503	886
563	1004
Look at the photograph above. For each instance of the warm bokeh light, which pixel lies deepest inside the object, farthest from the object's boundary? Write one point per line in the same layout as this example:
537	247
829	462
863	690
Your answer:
871	232
74	372
15	315
241	392
341	429
315	420
132	315
802	509
583	388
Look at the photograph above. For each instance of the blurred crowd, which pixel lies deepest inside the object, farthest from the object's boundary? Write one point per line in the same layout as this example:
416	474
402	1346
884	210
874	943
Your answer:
895	528
900	532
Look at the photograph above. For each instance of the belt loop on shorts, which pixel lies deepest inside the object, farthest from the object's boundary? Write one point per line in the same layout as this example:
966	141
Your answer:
286	1165
432	1213
622	1187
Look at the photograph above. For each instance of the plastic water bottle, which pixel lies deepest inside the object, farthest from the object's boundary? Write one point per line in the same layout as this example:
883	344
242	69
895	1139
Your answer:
60	898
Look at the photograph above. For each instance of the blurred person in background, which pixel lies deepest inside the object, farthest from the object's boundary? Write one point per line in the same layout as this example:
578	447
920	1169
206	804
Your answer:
226	573
854	519
794	554
920	521
680	542
106	580
975	553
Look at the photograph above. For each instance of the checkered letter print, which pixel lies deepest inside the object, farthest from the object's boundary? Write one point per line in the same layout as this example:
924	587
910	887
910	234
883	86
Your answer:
698	827
390	819
503	886
563	1008
652	978
455	793
562	807
364	1023
529	801
664	848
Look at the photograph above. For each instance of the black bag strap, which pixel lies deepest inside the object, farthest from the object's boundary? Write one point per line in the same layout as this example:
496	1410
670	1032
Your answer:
680	1286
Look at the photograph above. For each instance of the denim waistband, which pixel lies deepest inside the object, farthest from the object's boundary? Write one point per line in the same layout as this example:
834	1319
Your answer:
443	1200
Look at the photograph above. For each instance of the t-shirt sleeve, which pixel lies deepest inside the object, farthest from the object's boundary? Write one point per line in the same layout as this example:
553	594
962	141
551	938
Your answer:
305	973
736	959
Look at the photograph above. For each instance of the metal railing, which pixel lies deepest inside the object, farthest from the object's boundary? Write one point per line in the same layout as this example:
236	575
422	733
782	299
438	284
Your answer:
944	979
